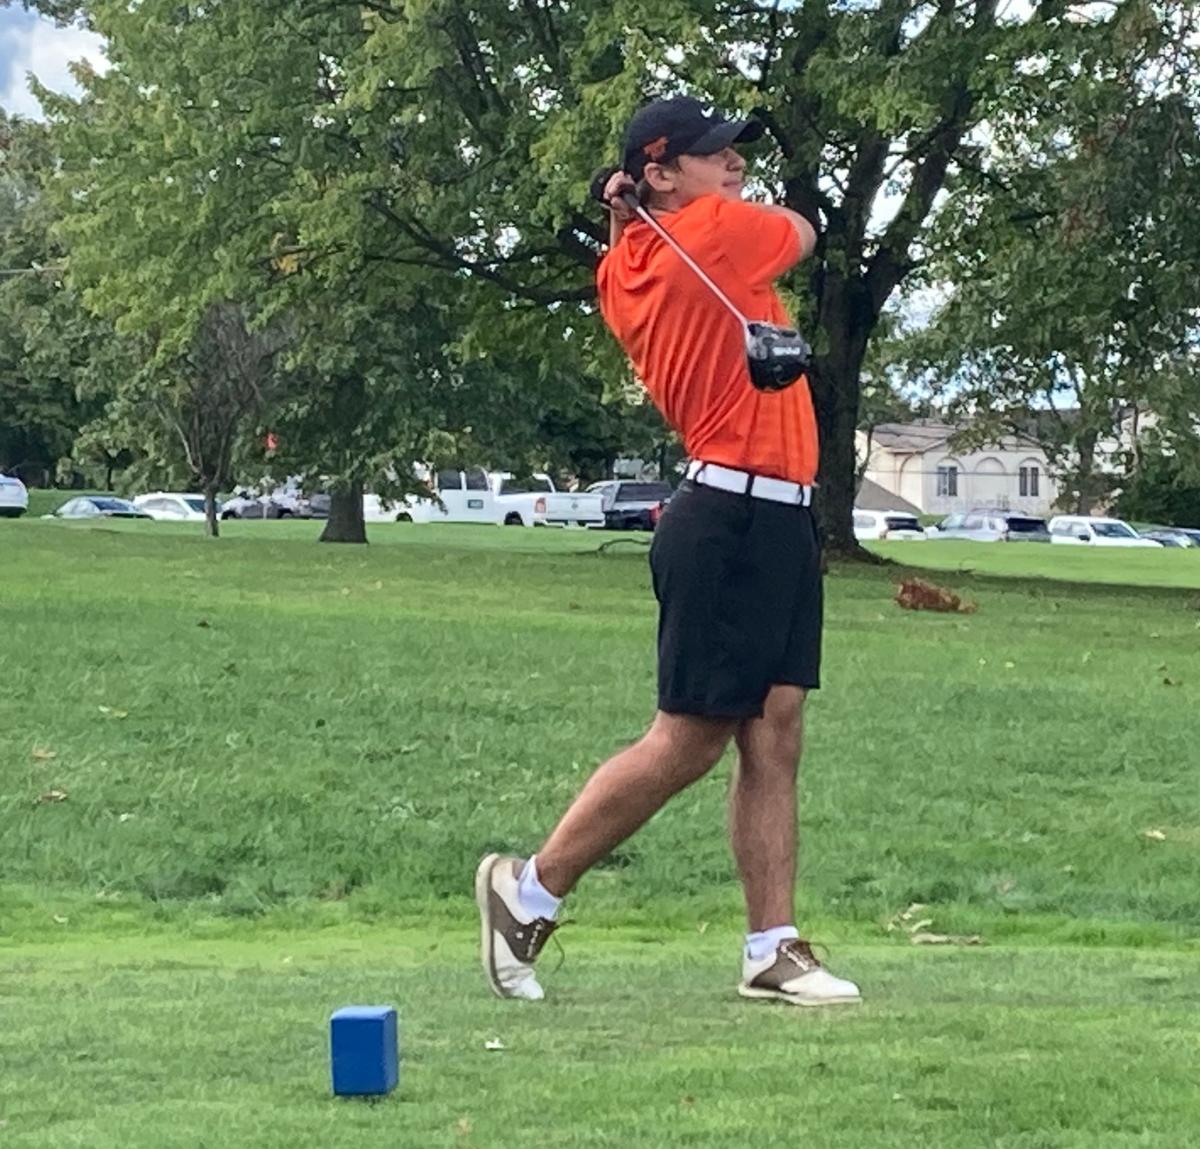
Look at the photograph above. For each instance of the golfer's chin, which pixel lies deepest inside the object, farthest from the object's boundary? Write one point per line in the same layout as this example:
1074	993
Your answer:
732	191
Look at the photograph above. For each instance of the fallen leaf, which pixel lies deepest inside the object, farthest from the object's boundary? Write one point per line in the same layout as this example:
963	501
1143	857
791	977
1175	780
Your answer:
62	921
1170	682
917	594
494	1044
463	1127
702	927
1154	835
379	584
946	940
1087	656
124	817
345	590
53	796
1010	666
111	713
41	754
204	622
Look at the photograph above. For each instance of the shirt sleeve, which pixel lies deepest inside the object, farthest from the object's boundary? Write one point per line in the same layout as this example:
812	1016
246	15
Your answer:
761	245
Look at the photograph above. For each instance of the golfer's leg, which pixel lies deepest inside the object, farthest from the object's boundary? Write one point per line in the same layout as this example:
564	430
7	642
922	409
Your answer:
626	791
762	807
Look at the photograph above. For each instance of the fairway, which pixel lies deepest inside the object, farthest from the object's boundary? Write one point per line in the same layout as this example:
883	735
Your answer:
245	782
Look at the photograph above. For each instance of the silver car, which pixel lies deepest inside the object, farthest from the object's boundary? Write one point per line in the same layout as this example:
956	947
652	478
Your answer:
992	526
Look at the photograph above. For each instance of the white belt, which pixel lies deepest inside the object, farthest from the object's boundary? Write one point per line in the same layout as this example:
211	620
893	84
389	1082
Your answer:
745	483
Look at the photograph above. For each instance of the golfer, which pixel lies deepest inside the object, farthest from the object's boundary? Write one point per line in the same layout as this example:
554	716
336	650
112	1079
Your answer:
735	559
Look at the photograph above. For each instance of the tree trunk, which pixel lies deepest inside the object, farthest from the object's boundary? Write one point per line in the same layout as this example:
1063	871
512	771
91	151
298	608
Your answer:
345	523
108	472
836	387
212	526
1085	494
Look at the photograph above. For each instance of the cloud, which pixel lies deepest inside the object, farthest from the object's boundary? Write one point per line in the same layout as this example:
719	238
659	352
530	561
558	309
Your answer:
32	44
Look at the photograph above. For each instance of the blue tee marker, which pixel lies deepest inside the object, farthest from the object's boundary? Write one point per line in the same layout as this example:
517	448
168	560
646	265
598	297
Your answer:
364	1050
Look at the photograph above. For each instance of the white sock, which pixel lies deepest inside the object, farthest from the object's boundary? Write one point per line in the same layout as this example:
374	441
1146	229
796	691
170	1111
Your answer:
536	900
766	942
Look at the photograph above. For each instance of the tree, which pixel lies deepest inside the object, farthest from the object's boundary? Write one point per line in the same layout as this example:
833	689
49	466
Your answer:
445	149
1075	260
55	360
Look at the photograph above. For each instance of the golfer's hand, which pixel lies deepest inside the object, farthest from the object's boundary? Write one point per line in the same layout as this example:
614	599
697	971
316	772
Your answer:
617	184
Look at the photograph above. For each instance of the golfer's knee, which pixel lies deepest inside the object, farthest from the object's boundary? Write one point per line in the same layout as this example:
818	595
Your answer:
687	747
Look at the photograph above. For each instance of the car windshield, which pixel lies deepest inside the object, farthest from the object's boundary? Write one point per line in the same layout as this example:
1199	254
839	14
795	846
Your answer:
643	492
1026	526
195	504
902	523
1114	531
112	504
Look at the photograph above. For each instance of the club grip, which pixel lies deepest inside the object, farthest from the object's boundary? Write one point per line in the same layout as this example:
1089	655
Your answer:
600	182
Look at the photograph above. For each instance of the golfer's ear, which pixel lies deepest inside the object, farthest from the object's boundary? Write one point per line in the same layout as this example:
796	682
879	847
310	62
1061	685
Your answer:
660	178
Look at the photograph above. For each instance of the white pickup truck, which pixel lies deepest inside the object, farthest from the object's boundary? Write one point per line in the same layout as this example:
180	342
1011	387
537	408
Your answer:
477	496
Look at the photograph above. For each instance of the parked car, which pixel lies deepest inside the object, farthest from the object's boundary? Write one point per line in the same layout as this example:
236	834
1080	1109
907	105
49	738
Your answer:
477	496
628	503
1174	536
14	498
1094	531
98	507
887	525
987	525
173	507
246	505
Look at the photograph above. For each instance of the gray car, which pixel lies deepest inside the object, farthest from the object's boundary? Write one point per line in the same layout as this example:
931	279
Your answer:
1174	536
629	504
992	526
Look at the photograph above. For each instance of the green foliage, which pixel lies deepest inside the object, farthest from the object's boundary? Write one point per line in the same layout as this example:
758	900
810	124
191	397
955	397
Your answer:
1074	252
1164	488
56	360
407	182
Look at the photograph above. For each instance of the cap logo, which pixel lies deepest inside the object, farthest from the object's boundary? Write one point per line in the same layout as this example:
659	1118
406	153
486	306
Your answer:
656	149
708	112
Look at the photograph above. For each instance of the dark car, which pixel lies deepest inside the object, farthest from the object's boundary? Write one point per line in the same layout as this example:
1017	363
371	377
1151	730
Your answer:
630	504
1174	536
989	525
99	507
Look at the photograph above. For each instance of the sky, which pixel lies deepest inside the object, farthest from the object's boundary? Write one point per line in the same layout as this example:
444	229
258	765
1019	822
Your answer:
31	43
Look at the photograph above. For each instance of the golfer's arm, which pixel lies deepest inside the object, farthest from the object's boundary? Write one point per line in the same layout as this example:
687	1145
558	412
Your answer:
804	229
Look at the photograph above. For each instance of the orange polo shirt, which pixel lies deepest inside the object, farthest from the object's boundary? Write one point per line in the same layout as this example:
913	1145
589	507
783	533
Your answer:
689	351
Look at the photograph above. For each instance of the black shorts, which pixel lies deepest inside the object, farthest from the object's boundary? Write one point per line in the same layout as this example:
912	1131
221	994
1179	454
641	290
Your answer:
738	583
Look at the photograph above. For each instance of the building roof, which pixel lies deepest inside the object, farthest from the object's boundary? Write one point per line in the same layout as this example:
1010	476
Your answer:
923	435
872	497
920	435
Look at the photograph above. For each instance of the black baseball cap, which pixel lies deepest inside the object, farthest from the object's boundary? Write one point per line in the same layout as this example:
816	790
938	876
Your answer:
681	126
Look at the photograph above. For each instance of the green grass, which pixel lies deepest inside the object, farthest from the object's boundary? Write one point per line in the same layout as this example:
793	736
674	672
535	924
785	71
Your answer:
222	1040
273	750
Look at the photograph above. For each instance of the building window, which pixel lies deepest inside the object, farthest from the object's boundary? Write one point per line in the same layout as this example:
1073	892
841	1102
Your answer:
1028	482
947	481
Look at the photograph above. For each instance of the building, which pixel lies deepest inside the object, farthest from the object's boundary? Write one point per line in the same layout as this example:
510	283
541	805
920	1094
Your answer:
916	462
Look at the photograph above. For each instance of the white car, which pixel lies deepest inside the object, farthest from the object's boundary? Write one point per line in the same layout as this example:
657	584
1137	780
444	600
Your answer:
1093	531
172	507
477	496
14	498
892	525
